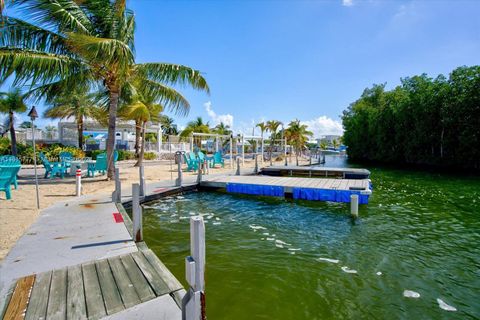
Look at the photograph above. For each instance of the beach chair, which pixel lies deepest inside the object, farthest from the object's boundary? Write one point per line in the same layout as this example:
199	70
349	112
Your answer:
191	161
52	169
7	174
66	158
218	159
9	160
100	165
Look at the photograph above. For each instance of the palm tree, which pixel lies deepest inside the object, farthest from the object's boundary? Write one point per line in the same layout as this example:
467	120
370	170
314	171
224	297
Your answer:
70	42
50	130
10	103
263	128
335	144
197	125
272	126
222	129
76	103
143	110
298	135
323	145
168	125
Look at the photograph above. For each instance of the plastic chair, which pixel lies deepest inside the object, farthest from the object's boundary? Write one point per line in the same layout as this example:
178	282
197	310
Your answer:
7	174
52	168
9	160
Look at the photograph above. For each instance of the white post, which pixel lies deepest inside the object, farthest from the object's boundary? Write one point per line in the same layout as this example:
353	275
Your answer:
199	177
191	143
285	151
231	152
78	175
159	139
137	213
205	167
141	171
238	167
243	151
354	205
178	182
216	143
118	186
193	303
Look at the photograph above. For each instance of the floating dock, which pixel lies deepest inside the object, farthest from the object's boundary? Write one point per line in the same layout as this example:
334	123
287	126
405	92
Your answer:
315	171
335	190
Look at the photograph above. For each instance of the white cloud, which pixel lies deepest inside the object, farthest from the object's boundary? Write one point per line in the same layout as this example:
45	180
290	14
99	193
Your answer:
227	119
347	3
324	126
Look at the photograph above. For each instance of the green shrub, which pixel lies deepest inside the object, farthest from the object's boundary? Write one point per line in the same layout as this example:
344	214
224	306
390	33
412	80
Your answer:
4	146
125	155
150	156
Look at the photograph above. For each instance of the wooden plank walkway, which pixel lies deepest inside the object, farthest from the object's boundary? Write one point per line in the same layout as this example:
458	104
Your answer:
290	182
315	171
93	289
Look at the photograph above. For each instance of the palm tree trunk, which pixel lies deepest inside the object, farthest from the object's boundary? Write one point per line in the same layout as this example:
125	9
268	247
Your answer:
80	132
112	117
142	148
13	136
138	130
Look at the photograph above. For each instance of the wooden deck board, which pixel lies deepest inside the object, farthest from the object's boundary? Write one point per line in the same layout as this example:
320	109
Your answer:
19	300
93	293
158	285
111	296
37	306
140	284
125	285
76	307
57	299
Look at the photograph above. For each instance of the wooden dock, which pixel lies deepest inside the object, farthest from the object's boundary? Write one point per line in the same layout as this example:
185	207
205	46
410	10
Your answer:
337	190
315	171
92	290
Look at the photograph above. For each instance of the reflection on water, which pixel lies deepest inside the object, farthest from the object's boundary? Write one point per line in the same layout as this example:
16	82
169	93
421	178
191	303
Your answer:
412	255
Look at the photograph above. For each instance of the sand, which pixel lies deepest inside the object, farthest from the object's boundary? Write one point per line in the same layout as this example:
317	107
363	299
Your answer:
17	214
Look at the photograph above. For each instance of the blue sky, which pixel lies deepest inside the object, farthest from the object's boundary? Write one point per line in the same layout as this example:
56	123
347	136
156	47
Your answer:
302	59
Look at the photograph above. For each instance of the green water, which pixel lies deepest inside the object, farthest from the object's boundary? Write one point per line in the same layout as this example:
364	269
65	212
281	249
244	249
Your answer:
420	230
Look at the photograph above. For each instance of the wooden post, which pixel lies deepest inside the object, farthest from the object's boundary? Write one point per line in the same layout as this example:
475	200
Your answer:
231	152
310	157
205	167
118	187
178	182
256	164
354	205
78	175
238	167
141	172
193	303
199	177
137	213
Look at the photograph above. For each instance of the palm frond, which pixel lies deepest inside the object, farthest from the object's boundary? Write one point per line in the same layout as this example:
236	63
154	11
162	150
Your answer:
174	74
60	15
35	66
169	97
17	33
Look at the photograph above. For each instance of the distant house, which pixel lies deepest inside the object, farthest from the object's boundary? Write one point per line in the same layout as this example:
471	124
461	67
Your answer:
328	139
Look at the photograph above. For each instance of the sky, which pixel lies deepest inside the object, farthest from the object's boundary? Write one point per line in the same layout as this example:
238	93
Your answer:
305	60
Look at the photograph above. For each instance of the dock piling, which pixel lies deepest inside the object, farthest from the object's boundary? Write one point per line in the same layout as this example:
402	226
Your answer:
141	172
137	213
199	176
118	187
78	189
178	181
193	303
354	205
238	167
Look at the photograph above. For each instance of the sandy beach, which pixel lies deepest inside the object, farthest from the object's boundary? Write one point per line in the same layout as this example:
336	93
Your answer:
17	214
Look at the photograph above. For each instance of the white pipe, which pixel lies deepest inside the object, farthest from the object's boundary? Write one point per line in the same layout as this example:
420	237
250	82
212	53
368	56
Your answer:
354	205
137	213
78	175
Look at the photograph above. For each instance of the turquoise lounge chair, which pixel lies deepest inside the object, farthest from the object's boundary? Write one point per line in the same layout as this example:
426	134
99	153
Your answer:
100	164
218	159
203	157
191	161
52	168
7	174
10	160
66	158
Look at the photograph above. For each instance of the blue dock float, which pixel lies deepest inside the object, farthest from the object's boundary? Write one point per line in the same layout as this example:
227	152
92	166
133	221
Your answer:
312	189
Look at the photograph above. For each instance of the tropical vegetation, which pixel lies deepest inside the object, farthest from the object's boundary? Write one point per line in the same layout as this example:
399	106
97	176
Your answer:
426	121
61	44
10	103
297	135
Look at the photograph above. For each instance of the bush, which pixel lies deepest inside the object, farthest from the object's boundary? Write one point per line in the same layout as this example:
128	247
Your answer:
125	155
4	146
150	156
